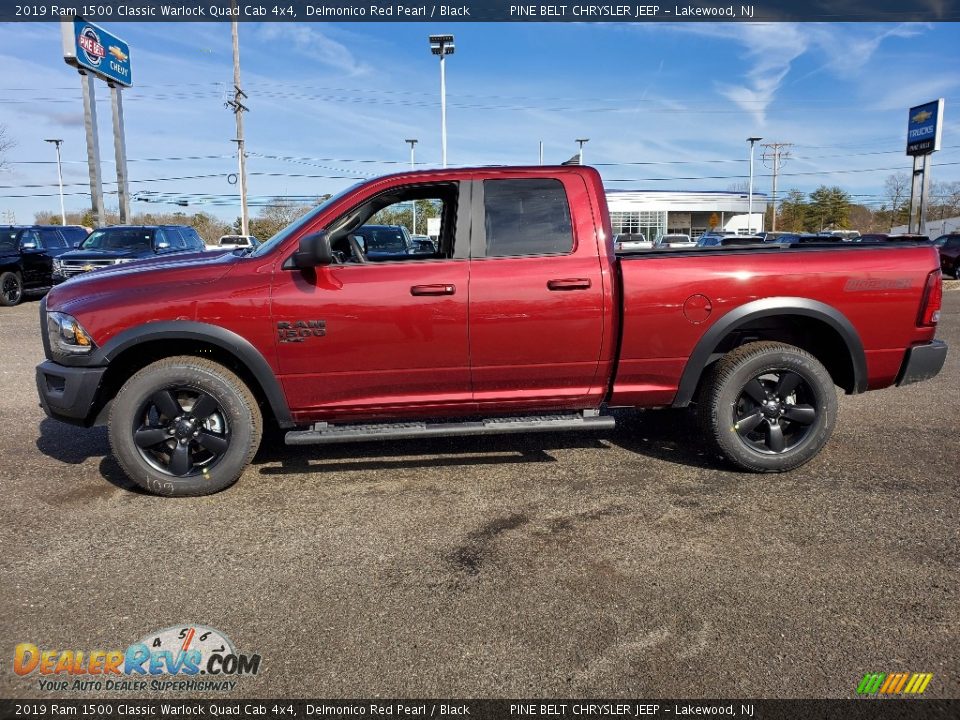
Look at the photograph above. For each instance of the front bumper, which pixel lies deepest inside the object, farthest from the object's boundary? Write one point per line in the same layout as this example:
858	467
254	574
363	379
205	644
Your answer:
922	362
69	394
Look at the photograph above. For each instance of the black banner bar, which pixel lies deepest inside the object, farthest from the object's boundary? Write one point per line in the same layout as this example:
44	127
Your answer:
480	11
534	709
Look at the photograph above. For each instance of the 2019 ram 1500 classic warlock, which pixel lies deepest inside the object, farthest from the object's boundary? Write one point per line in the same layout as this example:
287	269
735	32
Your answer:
523	320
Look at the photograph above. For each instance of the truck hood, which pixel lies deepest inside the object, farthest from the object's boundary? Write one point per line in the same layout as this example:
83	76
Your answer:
160	277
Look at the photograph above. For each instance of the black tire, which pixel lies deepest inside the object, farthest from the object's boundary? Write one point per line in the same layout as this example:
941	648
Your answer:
165	448
760	387
11	289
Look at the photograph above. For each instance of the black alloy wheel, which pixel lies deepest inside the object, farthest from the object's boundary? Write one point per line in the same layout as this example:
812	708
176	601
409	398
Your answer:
775	412
181	431
767	406
11	289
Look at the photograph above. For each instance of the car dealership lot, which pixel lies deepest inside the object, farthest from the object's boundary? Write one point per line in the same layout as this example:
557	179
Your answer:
625	563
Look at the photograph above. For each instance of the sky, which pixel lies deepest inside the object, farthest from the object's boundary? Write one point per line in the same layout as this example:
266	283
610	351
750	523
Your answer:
665	106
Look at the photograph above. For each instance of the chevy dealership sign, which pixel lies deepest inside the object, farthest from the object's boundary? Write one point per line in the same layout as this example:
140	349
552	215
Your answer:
924	128
90	47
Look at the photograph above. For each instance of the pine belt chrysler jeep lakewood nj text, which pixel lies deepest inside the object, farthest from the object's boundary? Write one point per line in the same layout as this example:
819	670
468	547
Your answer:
522	320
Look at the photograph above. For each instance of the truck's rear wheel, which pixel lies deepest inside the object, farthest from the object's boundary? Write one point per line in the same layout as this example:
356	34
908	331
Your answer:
184	426
768	407
11	289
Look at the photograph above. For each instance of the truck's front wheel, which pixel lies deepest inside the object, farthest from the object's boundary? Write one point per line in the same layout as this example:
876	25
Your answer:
184	426
768	407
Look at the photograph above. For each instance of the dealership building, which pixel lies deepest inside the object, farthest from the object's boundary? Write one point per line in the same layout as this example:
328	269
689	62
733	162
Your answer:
659	212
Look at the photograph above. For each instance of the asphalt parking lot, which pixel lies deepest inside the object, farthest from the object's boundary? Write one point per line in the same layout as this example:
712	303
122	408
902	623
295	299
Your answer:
628	563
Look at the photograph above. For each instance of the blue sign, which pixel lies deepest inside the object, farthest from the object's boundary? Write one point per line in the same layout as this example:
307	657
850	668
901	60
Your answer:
89	46
924	128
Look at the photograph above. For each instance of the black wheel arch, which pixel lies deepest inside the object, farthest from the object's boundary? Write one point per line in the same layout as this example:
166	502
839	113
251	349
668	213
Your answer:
778	309
153	341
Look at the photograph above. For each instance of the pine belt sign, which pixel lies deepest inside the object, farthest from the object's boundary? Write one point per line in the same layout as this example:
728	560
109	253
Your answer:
924	128
88	46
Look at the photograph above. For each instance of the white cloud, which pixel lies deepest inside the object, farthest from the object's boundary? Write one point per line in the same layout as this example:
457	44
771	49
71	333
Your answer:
305	39
772	48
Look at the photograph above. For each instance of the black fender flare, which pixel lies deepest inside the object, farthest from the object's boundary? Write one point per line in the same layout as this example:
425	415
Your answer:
236	345
766	307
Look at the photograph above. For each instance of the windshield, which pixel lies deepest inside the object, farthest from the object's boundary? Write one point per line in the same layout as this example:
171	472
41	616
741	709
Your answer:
119	239
300	222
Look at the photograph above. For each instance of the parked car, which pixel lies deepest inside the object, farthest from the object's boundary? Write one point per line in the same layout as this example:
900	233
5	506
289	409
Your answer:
27	255
381	242
232	242
525	321
674	241
774	236
949	248
846	235
735	240
629	242
124	243
888	237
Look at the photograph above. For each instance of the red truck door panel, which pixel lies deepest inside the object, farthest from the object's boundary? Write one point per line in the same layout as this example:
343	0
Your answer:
394	331
536	293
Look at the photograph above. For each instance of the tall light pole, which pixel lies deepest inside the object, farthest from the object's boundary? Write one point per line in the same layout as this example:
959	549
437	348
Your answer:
63	213
413	166
753	141
442	45
581	142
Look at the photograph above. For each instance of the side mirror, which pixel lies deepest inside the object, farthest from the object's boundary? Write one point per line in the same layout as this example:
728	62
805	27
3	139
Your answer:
314	250
163	245
28	245
78	243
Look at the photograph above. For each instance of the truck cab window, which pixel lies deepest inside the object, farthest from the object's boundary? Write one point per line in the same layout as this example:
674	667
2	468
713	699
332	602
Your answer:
405	224
526	217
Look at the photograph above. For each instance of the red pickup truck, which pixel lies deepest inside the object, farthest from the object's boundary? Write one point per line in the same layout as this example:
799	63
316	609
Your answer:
522	320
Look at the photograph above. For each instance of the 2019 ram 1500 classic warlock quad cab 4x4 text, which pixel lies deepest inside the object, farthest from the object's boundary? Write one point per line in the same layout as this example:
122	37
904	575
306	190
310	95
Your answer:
523	320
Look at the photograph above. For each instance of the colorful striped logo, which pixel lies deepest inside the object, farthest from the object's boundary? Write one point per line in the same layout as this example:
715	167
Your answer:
894	683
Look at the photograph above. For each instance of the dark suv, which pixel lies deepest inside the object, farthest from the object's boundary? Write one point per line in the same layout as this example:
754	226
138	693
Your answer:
26	256
949	247
123	243
386	242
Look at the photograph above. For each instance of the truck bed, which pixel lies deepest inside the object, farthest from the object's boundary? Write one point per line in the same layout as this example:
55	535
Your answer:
875	288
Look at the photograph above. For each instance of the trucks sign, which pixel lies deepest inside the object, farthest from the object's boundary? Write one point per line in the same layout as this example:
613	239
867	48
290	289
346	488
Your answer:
88	46
924	128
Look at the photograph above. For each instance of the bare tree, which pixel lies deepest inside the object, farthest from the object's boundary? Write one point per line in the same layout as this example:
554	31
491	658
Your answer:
897	190
6	143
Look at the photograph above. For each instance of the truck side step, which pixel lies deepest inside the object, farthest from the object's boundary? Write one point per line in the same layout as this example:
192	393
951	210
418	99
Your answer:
323	433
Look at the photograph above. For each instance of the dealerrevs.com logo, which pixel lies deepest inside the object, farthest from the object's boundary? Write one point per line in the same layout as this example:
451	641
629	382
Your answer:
185	658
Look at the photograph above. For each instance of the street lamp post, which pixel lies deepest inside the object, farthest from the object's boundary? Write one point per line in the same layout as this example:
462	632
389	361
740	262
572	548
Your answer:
413	166
442	45
63	213
753	141
581	142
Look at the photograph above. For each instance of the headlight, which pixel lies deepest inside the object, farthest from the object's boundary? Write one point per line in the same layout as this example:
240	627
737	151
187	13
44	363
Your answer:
57	265
66	335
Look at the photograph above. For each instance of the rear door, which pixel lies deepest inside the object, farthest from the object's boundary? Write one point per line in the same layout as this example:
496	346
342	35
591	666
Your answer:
536	294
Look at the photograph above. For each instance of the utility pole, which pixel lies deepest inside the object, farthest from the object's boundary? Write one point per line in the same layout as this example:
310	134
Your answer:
753	141
63	213
580	142
238	110
775	153
413	166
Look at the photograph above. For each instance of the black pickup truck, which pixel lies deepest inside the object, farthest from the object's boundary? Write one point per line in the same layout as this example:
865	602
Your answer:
26	256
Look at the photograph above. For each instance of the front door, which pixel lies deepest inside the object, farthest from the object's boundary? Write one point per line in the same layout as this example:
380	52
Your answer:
383	335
